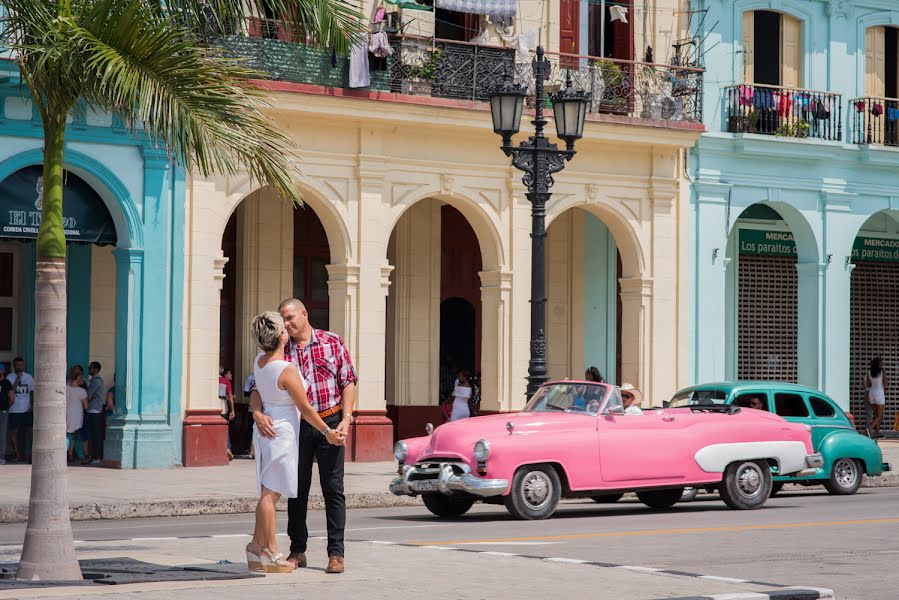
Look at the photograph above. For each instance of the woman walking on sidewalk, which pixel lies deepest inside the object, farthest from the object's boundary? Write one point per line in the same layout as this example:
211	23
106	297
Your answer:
876	382
283	391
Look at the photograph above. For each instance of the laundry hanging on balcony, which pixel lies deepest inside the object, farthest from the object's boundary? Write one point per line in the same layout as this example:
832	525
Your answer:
408	5
618	13
502	9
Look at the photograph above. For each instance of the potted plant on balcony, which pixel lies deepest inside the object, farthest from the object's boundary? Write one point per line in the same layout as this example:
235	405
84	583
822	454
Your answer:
615	86
421	79
744	123
800	129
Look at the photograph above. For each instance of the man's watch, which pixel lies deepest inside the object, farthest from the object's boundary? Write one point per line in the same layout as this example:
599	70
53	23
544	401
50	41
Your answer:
326	430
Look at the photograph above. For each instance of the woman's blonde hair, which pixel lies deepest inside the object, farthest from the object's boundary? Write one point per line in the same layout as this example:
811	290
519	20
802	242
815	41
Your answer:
267	328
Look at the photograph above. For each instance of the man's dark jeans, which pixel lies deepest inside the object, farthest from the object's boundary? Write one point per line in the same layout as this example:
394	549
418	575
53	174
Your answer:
330	470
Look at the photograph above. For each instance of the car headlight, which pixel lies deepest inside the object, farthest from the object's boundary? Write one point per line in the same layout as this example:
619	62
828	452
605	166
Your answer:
399	450
482	450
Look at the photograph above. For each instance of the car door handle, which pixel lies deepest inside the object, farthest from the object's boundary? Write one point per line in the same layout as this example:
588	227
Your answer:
668	418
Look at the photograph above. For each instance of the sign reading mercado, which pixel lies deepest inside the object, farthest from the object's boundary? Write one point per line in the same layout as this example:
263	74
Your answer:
780	243
85	217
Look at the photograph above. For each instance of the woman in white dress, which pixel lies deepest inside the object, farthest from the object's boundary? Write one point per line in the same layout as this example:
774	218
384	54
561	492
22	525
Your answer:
876	383
283	392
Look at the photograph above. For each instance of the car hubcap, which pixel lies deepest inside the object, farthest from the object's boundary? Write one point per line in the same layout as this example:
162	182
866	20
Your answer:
846	472
536	490
749	480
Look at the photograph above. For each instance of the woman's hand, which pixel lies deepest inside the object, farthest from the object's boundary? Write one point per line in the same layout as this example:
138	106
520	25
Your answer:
335	438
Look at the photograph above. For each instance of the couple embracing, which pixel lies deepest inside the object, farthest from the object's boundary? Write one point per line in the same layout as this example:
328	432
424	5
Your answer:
300	371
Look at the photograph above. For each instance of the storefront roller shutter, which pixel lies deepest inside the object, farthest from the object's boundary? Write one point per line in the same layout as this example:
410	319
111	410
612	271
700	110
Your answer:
875	331
767	318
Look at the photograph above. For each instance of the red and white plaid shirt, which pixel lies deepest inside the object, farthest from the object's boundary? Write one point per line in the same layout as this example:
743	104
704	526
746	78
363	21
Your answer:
325	365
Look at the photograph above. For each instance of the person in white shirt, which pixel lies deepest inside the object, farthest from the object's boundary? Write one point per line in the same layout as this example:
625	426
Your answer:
20	415
76	404
631	398
458	400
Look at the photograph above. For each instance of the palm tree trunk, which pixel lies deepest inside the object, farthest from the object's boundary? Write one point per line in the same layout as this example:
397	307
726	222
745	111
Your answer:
49	550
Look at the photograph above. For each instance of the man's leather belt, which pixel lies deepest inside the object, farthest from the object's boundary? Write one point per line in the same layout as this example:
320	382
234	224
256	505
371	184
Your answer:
331	411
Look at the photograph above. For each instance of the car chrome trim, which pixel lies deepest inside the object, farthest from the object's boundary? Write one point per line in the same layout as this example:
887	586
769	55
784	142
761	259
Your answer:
448	481
815	460
887	467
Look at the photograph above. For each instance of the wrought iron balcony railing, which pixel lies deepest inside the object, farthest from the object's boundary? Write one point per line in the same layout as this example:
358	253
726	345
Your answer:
465	71
875	121
773	110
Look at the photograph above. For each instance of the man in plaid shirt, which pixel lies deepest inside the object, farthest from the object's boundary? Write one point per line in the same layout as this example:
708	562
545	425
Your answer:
324	362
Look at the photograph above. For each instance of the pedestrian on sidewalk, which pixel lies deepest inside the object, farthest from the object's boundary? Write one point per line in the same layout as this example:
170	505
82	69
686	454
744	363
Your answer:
324	362
20	411
7	397
76	406
876	382
457	406
226	399
92	431
283	392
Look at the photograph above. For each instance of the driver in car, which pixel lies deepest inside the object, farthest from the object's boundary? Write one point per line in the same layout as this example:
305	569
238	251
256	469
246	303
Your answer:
631	398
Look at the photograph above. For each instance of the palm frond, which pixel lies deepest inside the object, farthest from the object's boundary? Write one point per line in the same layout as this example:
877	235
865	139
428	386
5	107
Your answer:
199	105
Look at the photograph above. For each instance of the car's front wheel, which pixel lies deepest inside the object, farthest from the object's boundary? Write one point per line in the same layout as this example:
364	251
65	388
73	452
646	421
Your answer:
447	506
535	493
845	477
776	487
661	498
746	484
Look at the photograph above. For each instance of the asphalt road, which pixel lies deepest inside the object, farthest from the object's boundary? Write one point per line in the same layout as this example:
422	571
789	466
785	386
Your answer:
810	538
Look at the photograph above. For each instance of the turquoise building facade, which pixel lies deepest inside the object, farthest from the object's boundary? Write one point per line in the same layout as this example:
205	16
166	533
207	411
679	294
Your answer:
125	298
795	208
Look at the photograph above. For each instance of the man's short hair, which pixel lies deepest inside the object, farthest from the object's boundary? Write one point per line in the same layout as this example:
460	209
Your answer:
94	365
18	359
295	301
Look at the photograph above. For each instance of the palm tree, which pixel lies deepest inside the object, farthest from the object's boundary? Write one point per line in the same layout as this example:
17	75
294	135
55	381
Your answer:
137	59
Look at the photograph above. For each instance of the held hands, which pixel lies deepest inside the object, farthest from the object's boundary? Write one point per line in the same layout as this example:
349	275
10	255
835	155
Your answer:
335	437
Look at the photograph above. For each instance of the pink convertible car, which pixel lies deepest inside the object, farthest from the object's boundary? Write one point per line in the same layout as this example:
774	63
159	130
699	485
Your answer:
573	440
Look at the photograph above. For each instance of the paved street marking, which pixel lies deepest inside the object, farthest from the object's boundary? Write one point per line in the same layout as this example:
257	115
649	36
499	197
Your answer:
725	579
232	535
152	539
640	569
582	536
573	561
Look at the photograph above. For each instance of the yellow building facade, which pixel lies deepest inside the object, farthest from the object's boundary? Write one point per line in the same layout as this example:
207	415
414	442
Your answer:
414	241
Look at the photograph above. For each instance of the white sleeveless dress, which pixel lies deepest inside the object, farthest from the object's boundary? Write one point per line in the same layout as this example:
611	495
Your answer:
876	392
277	459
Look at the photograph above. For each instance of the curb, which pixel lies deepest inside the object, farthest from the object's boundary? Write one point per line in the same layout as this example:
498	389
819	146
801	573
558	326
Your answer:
18	513
783	594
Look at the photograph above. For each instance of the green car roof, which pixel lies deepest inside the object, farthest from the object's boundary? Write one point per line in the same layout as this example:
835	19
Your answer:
734	386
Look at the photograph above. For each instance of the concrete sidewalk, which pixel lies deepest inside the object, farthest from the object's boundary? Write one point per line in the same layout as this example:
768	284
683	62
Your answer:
97	493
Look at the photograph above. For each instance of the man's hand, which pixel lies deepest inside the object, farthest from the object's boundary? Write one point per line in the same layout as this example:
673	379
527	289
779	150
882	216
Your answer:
264	425
344	426
231	416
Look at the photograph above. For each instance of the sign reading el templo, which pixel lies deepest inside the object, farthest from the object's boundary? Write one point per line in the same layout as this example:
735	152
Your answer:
85	217
781	243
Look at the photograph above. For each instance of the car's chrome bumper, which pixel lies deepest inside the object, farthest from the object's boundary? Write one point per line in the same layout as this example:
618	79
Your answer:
814	462
887	467
446	478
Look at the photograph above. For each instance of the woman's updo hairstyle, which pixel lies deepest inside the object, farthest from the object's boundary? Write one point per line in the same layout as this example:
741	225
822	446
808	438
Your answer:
267	328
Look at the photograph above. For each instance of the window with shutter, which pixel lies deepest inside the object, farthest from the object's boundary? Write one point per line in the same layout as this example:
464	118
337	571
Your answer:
790	52
875	62
748	47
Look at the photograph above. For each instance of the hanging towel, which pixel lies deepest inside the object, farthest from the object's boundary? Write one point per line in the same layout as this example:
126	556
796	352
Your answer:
359	77
380	45
618	13
892	114
491	8
877	110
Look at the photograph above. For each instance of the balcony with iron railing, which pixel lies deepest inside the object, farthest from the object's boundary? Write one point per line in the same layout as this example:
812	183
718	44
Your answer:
434	70
785	112
874	120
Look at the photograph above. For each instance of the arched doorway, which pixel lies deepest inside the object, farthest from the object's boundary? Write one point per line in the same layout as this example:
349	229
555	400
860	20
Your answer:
90	273
583	271
433	312
874	312
274	251
763	297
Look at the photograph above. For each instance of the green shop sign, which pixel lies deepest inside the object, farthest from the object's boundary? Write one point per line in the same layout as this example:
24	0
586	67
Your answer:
85	217
781	243
767	243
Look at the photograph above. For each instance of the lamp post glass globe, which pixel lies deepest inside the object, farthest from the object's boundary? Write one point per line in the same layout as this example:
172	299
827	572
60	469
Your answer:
506	105
570	110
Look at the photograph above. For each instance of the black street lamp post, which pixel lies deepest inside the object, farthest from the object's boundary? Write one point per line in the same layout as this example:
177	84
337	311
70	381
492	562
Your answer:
539	159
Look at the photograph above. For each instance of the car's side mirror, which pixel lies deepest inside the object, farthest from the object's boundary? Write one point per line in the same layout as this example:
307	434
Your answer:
615	409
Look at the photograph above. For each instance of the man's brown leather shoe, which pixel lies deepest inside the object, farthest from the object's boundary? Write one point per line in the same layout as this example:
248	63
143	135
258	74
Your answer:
335	564
298	559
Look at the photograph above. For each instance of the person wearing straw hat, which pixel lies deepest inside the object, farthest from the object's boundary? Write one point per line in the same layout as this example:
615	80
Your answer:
631	398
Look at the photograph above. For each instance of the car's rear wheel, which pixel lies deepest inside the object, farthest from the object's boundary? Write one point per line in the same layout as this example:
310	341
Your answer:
535	493
447	506
608	498
845	477
661	498
775	488
746	484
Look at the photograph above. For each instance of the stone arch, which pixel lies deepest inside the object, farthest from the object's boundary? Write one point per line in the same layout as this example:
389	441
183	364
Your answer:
807	246
633	262
486	230
333	222
108	186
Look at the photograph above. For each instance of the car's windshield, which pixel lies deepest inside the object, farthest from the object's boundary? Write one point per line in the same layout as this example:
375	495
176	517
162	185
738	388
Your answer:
692	397
576	397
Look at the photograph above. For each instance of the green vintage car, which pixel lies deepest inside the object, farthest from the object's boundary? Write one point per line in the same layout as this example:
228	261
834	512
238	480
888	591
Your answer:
848	455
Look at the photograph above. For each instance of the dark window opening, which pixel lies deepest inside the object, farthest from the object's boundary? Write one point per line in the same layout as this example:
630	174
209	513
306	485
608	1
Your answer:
767	48
821	407
608	38
790	405
751	400
891	63
311	255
